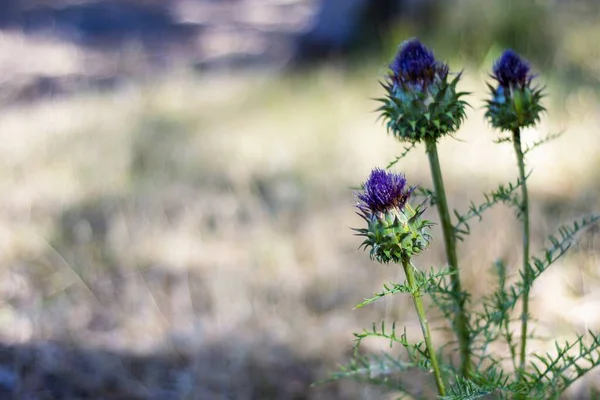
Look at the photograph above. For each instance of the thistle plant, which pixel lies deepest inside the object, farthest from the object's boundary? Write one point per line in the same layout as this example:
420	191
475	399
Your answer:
395	233
515	104
422	105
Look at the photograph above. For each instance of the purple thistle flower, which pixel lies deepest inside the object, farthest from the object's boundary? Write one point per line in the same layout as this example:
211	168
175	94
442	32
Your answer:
413	59
383	191
415	64
514	102
420	103
511	70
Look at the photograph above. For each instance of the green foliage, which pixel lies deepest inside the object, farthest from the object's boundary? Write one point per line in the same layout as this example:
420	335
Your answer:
493	383
497	306
385	369
548	138
428	194
551	375
381	370
416	352
377	369
407	150
501	195
465	389
425	283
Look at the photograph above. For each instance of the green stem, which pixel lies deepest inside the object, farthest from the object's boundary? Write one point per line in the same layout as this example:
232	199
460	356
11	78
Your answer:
460	316
418	300
526	240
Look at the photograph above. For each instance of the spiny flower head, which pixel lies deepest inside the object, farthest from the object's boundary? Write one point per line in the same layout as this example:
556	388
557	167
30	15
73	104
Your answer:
395	231
384	191
420	102
515	102
510	70
415	64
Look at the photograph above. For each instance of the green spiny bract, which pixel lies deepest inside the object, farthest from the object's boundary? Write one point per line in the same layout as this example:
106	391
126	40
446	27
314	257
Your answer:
515	108
515	103
395	231
395	235
420	102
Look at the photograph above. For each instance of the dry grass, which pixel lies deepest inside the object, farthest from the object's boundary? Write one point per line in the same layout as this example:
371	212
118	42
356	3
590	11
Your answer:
189	238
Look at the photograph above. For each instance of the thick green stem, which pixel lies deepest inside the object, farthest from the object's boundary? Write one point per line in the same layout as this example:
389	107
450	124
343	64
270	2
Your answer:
460	316
416	295
526	241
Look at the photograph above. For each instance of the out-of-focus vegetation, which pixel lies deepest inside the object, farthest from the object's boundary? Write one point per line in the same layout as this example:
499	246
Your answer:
184	234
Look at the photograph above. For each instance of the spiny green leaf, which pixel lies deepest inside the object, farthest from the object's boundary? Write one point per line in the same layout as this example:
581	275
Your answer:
544	140
407	150
502	194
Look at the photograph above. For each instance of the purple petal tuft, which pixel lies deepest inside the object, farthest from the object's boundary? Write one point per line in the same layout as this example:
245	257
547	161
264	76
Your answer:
413	59
511	70
383	191
415	65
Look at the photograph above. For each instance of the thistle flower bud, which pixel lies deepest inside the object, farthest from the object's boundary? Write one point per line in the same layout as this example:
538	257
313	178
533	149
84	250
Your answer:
395	230
420	102
515	103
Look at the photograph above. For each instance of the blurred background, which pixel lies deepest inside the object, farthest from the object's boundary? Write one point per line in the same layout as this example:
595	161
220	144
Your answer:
176	186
